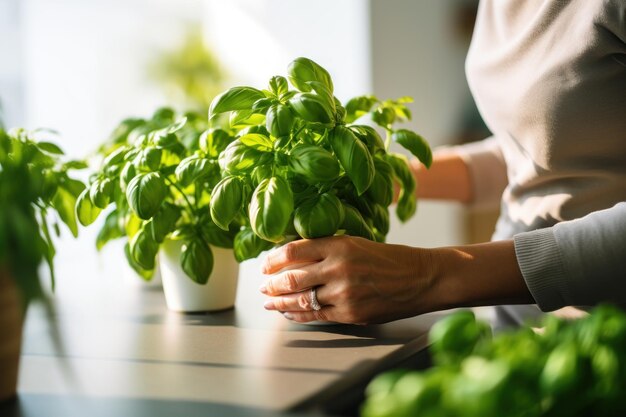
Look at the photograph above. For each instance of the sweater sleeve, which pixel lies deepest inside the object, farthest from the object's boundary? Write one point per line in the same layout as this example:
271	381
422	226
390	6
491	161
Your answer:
579	262
487	170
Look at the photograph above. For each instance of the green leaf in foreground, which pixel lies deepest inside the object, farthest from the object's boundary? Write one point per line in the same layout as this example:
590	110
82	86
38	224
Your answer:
110	230
196	259
236	98
354	157
64	203
226	201
271	208
164	221
407	201
145	193
86	211
415	144
303	70
143	249
319	217
248	245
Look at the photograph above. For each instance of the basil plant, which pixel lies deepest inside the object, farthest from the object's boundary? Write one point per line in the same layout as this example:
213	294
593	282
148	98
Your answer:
297	163
155	182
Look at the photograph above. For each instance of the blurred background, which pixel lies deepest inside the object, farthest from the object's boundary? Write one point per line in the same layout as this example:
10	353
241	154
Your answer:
81	67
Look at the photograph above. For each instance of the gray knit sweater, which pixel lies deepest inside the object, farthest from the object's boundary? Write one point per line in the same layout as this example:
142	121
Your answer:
549	77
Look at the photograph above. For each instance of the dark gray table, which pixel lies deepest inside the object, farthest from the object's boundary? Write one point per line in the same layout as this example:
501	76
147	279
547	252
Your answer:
124	353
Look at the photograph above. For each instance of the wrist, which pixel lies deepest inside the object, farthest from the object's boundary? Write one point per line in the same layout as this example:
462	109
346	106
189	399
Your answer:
474	275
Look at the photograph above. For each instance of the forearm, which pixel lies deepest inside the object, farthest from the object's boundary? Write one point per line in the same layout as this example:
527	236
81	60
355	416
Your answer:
474	275
447	179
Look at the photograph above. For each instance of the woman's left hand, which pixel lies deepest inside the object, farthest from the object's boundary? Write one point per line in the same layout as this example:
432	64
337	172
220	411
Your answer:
356	280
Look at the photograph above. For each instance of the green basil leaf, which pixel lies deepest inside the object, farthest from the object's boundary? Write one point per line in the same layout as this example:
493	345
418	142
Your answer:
248	245
381	219
110	230
246	117
302	70
145	193
407	201
86	211
354	157
143	273
238	157
402	112
164	115
100	192
279	120
354	224
415	144
236	98
312	108
257	141
164	222
50	147
166	140
259	173
143	249
314	163
319	217
381	190
370	137
75	165
384	116
271	208
149	159
64	202
195	168
178	125
115	157
278	85
260	106
226	201
325	94
196	259
126	176
359	106
216	236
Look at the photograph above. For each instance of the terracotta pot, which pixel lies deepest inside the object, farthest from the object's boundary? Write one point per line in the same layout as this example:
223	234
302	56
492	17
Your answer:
184	295
11	320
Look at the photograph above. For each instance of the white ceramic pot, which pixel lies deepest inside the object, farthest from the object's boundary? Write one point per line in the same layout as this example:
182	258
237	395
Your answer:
184	295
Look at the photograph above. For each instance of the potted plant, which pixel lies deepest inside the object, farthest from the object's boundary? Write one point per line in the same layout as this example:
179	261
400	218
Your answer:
300	164
36	192
156	182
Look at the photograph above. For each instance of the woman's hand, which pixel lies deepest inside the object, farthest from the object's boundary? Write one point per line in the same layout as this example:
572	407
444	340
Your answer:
357	280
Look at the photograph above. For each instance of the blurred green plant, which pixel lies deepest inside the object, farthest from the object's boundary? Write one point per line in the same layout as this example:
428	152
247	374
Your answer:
191	74
36	193
569	368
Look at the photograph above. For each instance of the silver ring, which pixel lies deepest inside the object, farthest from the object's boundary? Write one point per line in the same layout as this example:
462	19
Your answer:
314	303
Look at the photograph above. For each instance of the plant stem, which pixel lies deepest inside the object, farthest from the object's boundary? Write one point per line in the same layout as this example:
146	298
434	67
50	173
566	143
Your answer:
387	139
192	209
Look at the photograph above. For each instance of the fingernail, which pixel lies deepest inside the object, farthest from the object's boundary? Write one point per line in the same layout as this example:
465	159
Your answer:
288	316
263	269
269	305
263	289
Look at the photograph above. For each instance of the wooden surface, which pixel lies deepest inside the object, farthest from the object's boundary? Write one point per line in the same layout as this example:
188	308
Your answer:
120	343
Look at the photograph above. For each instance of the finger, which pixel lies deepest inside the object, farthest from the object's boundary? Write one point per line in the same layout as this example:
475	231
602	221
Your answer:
293	280
297	252
299	301
325	314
